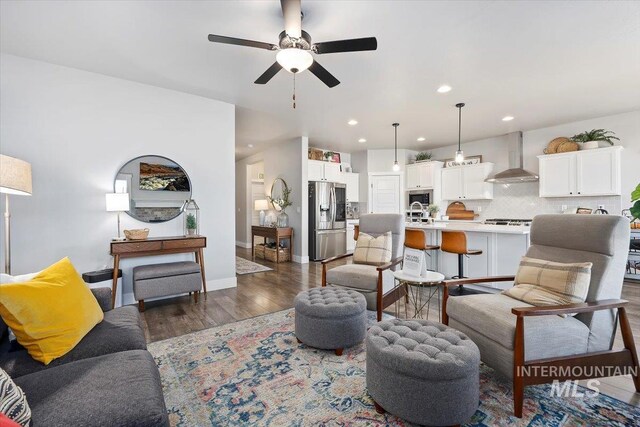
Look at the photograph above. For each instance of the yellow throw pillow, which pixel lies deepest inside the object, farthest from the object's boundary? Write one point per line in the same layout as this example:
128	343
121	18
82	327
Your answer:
373	250
52	312
539	282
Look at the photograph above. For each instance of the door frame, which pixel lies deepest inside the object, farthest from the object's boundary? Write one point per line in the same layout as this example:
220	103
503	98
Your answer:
401	190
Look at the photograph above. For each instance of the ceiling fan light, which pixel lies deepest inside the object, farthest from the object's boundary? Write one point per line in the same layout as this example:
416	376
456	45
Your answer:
294	60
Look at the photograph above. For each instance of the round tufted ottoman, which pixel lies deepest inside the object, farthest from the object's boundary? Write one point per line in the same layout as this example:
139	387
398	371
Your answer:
423	371
330	318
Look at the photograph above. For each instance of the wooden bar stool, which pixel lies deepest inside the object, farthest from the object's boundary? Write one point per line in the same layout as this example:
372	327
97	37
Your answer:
455	242
417	239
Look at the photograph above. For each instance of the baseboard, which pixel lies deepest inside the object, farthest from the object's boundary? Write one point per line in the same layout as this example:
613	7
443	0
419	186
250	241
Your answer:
301	259
246	245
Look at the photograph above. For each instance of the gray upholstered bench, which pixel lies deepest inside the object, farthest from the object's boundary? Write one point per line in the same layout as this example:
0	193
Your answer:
162	280
330	318
423	371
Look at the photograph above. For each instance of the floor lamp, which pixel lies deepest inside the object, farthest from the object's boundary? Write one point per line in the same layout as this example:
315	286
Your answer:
15	178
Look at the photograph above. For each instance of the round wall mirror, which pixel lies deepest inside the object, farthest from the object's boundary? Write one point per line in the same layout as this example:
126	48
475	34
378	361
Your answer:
278	192
158	188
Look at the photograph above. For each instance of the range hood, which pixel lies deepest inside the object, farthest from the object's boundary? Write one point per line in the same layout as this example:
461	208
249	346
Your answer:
516	173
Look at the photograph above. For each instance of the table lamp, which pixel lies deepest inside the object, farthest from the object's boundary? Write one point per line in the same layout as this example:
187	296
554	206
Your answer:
117	202
261	205
15	178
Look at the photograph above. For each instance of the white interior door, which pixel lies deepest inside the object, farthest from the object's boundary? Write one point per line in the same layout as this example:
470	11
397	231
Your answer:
385	194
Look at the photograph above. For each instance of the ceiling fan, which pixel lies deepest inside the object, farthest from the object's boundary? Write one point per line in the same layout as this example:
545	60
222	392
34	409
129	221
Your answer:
295	47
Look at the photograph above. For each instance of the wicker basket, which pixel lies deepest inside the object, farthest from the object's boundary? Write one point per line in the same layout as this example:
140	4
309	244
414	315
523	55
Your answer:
316	154
258	250
568	146
138	234
553	145
270	254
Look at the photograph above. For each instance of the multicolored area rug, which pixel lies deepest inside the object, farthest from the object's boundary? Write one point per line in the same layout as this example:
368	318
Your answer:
255	373
244	266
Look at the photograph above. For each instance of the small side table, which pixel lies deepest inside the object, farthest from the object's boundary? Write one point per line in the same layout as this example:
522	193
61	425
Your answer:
274	233
415	285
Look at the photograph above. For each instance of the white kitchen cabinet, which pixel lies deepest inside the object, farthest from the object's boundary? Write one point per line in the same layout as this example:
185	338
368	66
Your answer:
467	182
594	172
323	171
352	180
422	175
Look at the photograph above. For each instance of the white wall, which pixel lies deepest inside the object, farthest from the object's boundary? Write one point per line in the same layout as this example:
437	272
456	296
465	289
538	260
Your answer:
287	160
521	200
77	129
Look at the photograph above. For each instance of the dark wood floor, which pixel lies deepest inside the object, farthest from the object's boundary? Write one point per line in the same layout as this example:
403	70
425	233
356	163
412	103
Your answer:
271	291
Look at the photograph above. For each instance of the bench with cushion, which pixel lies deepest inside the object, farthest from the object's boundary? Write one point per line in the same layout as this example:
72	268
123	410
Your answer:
163	280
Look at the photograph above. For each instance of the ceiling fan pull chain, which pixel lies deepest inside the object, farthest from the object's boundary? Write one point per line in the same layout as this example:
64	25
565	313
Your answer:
294	91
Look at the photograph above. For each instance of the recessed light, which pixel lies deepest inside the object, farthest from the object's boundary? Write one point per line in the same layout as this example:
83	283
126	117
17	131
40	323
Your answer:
444	89
507	118
352	122
422	138
250	145
362	140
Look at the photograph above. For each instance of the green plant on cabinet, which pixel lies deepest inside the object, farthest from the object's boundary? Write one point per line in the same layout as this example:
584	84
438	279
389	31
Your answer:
596	135
635	199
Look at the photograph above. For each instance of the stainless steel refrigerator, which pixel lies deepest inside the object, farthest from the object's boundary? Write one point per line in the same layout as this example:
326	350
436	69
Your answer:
327	219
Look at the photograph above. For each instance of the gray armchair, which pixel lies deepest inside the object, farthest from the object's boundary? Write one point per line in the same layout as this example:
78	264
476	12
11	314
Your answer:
374	282
530	351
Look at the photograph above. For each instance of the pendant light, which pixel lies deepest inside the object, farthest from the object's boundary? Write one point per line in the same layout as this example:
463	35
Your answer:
396	166
459	154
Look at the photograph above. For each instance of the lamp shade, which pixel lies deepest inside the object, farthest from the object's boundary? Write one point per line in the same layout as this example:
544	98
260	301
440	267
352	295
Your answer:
117	202
261	205
15	176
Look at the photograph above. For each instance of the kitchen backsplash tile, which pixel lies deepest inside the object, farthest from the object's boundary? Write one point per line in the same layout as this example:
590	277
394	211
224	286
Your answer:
522	201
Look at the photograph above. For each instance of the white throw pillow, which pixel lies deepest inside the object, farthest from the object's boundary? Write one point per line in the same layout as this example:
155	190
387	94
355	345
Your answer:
373	250
6	278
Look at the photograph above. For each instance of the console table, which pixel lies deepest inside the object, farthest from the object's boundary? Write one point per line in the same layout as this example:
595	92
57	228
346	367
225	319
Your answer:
274	233
156	246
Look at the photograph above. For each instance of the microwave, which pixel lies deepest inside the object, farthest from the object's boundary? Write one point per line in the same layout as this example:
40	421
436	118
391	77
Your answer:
422	196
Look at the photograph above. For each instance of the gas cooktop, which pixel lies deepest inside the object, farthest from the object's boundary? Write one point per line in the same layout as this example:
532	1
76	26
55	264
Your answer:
506	221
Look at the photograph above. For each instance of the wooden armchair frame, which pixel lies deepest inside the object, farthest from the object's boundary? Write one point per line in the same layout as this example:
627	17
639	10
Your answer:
382	300
610	362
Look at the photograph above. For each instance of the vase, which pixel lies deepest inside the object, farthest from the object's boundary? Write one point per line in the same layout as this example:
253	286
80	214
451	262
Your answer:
283	219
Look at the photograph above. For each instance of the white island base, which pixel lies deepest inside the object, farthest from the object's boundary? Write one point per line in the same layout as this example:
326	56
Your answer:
502	248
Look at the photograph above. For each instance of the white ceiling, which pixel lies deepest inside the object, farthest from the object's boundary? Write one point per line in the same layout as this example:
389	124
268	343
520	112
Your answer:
543	62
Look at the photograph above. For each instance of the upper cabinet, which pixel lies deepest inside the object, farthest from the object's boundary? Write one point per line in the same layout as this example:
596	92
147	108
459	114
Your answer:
423	175
581	173
324	171
352	180
467	182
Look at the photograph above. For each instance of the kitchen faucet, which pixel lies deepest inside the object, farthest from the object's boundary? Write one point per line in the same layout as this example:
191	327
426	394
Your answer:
411	211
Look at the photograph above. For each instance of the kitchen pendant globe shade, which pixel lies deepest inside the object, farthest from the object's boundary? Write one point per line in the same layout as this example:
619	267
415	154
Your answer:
459	156
396	167
294	59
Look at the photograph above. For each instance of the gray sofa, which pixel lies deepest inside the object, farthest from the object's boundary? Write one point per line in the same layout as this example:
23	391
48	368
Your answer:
108	379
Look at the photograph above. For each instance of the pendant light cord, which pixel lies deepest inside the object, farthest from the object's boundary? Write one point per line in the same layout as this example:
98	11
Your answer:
395	127
459	125
294	91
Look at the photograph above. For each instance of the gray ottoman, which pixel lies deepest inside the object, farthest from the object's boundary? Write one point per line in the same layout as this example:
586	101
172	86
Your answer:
330	318
162	280
423	371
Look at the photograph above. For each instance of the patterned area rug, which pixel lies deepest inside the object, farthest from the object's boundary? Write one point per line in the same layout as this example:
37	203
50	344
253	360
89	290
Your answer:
255	373
244	266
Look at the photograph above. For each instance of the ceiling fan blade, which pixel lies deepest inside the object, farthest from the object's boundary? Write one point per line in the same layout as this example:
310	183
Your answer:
292	12
320	72
350	45
268	75
241	42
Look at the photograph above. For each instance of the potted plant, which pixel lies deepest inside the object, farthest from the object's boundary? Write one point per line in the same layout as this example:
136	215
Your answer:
635	208
328	155
595	138
192	224
433	210
423	156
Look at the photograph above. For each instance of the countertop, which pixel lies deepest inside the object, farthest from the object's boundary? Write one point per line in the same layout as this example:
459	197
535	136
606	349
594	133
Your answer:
472	227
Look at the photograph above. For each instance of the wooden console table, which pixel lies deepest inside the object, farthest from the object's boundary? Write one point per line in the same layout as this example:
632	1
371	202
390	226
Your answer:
156	246
274	233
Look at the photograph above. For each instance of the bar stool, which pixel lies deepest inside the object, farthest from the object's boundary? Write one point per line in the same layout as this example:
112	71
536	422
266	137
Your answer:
417	239
455	242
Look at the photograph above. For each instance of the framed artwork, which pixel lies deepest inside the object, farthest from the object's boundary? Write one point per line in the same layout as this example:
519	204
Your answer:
335	158
469	160
585	211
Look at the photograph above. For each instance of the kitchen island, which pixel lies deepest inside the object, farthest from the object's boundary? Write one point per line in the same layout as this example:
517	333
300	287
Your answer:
502	248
